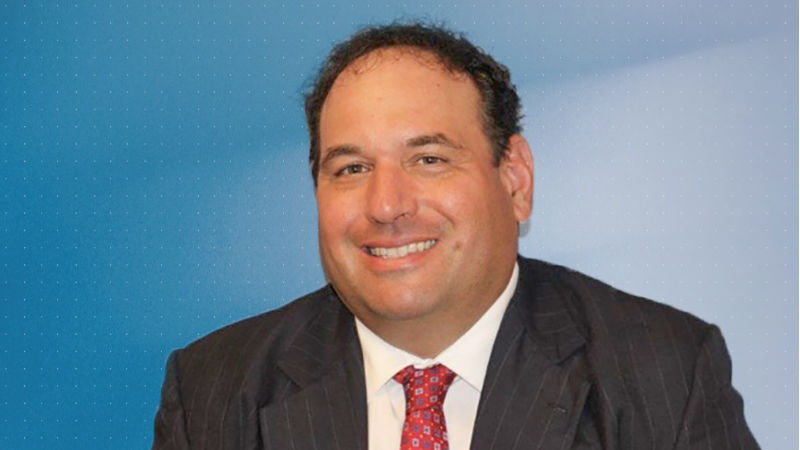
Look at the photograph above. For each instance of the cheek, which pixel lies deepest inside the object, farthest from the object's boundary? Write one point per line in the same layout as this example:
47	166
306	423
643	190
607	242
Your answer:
481	208
466	210
330	225
338	219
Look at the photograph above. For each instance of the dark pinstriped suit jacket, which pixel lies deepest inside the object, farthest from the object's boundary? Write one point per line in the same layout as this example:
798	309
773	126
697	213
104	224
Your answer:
576	364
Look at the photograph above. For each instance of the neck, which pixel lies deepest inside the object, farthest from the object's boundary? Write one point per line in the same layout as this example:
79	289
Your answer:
423	338
427	336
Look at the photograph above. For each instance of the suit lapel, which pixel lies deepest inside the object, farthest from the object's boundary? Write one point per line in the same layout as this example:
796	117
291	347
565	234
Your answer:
537	381
328	408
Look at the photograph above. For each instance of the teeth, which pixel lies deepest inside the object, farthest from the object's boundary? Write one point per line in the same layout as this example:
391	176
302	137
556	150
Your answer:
399	252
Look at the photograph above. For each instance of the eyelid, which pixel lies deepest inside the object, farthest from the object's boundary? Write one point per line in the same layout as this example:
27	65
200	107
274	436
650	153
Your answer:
421	158
341	171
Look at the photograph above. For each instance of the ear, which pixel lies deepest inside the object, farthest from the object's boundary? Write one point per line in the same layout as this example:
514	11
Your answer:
516	172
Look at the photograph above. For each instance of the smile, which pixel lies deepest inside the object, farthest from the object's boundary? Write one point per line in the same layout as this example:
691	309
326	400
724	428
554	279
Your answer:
403	250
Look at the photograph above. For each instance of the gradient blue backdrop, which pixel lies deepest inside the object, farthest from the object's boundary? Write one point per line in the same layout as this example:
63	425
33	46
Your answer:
155	186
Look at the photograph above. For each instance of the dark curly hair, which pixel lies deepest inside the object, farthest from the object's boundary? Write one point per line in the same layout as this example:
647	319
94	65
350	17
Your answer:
501	106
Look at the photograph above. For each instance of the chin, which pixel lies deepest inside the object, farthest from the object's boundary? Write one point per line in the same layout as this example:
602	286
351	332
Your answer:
402	306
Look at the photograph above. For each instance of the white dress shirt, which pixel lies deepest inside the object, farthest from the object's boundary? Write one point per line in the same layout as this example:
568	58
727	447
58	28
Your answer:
468	357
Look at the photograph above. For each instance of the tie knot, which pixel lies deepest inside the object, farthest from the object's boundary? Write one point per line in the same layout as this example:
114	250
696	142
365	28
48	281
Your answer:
425	388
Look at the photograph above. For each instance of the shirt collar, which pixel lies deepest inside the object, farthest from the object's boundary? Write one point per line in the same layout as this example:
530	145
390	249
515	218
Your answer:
468	356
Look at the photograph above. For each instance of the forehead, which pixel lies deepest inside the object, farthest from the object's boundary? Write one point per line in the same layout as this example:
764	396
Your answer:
400	69
401	82
411	55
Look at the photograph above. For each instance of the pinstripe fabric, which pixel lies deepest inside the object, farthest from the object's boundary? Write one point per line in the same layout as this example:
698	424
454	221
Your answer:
576	364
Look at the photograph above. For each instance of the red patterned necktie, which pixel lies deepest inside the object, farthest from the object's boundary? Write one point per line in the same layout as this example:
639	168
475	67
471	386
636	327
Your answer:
424	427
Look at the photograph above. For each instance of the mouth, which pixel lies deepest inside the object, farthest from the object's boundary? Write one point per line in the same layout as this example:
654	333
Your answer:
401	251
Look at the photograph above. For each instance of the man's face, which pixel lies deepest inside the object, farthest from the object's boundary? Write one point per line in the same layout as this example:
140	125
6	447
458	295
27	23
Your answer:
415	221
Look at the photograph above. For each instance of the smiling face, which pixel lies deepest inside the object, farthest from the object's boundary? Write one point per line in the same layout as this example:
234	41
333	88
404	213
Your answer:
416	224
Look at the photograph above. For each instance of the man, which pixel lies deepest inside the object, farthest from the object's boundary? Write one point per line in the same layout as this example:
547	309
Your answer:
433	332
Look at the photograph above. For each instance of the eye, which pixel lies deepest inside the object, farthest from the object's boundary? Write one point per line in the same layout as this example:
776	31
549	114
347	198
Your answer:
351	169
428	159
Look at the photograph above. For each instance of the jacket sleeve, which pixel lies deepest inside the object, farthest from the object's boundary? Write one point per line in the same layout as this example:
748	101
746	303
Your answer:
170	426
714	414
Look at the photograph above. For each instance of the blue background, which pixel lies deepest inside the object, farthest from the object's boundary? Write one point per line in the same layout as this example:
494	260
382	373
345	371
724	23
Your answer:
155	185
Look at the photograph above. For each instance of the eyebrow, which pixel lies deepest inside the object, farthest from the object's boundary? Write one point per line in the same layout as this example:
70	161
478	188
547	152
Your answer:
339	150
427	139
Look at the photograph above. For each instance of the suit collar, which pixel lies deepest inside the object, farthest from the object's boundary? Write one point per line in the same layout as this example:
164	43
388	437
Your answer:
318	347
327	405
537	380
544	308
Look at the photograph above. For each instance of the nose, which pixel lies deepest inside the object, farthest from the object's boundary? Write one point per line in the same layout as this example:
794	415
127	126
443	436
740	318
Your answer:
390	195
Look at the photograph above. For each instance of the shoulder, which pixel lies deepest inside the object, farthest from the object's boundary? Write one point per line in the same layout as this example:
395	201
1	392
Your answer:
251	347
640	355
278	324
630	342
658	374
214	386
604	313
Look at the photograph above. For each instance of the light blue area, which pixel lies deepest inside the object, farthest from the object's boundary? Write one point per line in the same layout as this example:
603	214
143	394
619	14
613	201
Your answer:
155	182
